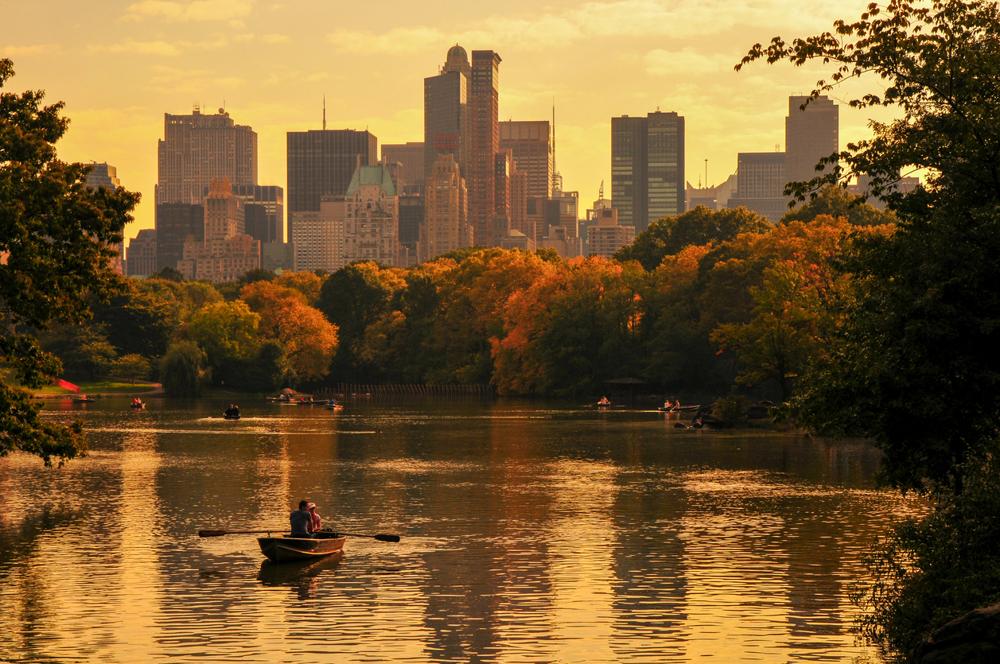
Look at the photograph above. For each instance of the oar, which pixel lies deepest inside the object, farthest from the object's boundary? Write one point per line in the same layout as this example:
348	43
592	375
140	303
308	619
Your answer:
218	533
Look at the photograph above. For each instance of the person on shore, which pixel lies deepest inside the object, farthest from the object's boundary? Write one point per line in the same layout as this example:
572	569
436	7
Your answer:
315	522
301	520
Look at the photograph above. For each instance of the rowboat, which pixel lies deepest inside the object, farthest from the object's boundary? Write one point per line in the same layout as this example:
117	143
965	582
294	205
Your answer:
286	548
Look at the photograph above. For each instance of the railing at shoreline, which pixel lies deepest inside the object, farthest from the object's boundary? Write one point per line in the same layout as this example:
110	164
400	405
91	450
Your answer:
365	390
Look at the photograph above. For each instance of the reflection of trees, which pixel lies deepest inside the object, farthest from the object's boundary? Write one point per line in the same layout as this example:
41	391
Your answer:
650	588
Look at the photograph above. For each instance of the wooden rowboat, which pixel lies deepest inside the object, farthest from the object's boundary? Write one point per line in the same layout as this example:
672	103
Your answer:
285	548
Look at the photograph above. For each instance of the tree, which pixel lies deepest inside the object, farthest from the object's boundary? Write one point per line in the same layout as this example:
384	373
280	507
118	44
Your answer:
227	332
55	236
131	367
307	283
837	202
914	364
181	369
669	235
307	338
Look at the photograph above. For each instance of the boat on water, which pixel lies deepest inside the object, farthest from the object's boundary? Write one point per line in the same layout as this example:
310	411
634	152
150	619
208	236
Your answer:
230	417
286	548
83	398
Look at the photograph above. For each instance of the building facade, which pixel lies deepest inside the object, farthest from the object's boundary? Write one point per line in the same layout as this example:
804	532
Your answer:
647	167
605	236
318	237
484	144
199	148
410	157
321	163
811	133
226	252
446	110
263	208
530	145
371	221
140	259
760	183
446	226
175	224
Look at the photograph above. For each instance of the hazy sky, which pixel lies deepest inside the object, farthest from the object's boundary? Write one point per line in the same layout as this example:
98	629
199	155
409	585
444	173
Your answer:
120	64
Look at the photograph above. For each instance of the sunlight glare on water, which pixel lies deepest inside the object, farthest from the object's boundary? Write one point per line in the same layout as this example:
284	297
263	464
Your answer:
529	533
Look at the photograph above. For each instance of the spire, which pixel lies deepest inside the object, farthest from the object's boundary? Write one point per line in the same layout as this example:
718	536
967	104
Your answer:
556	178
324	112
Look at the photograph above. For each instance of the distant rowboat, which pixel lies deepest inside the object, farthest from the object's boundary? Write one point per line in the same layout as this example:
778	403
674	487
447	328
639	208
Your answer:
285	548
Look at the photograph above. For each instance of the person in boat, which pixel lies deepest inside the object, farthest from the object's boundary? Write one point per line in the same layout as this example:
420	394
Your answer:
315	521
233	412
301	520
604	401
698	421
136	402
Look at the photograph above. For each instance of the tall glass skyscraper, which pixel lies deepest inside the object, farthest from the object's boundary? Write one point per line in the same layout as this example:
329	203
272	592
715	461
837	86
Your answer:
647	168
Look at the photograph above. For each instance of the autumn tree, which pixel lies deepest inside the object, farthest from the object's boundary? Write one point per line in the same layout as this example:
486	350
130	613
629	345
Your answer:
307	339
695	227
914	366
55	239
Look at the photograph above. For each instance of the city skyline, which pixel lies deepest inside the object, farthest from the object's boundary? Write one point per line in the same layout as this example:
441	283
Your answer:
271	68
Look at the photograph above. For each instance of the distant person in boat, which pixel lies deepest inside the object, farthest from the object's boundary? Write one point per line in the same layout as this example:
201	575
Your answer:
233	411
136	402
315	522
604	401
301	520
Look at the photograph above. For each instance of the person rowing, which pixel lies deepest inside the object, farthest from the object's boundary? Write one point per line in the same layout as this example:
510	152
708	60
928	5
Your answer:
604	401
301	520
232	413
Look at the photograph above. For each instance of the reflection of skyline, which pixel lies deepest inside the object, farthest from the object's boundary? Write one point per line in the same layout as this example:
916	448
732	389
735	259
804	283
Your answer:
539	539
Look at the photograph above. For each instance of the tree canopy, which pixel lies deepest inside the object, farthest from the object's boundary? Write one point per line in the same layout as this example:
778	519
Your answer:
55	237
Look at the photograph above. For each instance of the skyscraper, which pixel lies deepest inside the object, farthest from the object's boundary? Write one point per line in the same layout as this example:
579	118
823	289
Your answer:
446	226
760	182
199	148
647	167
484	144
410	156
810	134
321	163
446	110
140	260
530	146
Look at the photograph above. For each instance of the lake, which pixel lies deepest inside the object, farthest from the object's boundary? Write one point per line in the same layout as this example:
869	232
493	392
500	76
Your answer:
530	532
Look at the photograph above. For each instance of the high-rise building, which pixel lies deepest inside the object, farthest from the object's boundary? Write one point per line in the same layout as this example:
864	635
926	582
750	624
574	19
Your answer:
105	176
484	144
760	183
226	253
810	134
318	237
175	224
263	207
371	224
410	157
519	219
446	226
530	146
321	163
411	218
446	110
503	170
140	260
647	167
199	148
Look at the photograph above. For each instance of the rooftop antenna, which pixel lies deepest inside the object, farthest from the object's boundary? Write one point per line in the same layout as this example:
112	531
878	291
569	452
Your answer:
600	192
556	178
324	112
706	171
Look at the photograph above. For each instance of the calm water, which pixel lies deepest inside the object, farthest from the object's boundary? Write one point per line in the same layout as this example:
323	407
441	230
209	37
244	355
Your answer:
529	534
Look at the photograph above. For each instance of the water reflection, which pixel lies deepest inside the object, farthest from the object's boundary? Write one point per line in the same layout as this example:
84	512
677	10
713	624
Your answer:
529	533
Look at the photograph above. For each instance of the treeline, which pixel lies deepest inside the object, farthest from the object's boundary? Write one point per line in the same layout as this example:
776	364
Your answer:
707	301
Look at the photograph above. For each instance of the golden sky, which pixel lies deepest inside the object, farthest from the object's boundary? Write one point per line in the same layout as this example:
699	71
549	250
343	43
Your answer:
120	64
